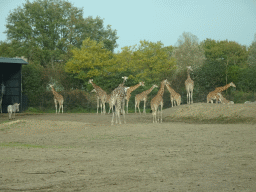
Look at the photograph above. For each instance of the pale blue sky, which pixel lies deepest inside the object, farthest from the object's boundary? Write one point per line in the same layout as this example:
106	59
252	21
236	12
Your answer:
165	20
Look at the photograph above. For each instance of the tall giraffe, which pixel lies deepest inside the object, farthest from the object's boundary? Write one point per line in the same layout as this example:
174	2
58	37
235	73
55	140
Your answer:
175	97
158	100
189	84
118	100
57	99
214	94
128	93
101	95
112	97
143	97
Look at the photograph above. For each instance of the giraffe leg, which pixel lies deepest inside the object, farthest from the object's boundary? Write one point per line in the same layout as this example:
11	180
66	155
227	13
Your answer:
144	109
110	107
100	107
113	116
98	104
104	108
126	106
56	107
154	114
62	106
124	114
135	105
192	97
162	112
127	103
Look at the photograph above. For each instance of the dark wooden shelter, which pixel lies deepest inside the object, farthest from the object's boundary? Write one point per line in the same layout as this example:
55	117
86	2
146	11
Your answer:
11	82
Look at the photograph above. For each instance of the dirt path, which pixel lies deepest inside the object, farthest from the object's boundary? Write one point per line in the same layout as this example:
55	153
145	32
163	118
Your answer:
82	152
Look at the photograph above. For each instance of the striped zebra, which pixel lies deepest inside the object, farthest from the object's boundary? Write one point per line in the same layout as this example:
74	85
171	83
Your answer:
12	109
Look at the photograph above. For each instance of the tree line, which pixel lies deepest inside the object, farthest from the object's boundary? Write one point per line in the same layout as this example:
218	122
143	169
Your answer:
66	49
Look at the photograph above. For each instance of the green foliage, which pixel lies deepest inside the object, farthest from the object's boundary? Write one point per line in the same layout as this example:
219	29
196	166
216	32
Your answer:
89	61
241	96
149	62
48	29
32	83
252	53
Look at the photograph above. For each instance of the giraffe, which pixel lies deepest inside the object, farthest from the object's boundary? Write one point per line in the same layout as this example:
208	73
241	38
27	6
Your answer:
101	95
143	97
128	93
112	97
158	100
57	99
189	84
99	103
214	94
223	100
107	100
175	97
117	100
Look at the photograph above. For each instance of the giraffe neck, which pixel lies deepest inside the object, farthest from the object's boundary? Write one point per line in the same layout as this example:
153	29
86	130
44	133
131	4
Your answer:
161	90
220	89
54	92
188	74
131	89
149	91
169	88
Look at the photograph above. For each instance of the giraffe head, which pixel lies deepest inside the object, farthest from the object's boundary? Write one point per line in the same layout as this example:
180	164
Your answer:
93	91
125	78
232	84
165	82
90	81
142	83
125	89
51	85
155	86
189	68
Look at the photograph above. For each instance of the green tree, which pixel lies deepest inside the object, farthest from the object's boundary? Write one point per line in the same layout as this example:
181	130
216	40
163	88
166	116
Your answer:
252	53
151	63
89	61
49	28
32	86
227	55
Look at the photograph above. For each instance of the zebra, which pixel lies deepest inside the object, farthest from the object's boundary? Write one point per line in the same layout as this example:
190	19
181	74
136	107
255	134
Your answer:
12	109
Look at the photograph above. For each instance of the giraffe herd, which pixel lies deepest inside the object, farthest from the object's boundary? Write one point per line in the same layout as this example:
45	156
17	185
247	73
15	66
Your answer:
119	95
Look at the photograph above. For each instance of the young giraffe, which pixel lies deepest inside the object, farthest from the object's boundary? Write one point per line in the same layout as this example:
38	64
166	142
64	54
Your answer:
223	100
189	83
158	100
175	97
128	93
57	99
143	97
214	94
107	100
101	95
118	100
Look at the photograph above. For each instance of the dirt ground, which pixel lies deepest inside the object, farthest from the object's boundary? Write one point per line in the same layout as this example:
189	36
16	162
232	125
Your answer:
83	152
